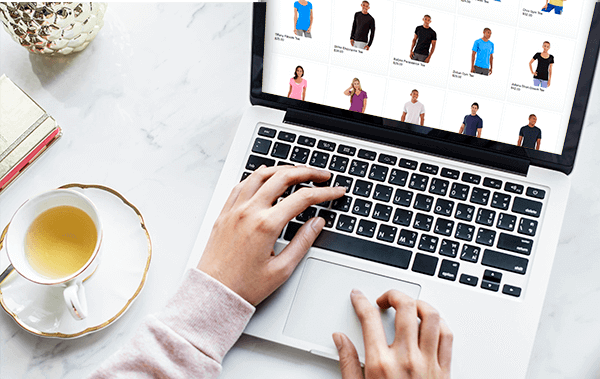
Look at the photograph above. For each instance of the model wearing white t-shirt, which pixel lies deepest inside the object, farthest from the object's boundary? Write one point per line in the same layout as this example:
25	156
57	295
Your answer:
414	111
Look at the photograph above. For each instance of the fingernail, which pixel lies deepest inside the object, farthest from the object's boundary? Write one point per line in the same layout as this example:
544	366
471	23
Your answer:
356	292
337	340
261	166
317	224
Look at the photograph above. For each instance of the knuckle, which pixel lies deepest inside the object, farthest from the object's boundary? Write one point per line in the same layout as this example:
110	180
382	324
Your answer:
308	194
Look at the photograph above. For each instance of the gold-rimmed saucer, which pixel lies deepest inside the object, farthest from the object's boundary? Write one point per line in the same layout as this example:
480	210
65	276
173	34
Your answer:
110	290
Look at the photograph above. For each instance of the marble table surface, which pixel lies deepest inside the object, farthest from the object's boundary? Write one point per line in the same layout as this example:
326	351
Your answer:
150	109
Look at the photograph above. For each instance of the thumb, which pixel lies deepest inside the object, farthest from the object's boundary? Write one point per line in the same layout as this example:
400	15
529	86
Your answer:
293	253
349	364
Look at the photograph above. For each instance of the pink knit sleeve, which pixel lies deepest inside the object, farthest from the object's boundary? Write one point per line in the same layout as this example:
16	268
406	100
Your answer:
188	339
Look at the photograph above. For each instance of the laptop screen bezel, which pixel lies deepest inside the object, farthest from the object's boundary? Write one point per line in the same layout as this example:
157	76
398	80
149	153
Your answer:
563	163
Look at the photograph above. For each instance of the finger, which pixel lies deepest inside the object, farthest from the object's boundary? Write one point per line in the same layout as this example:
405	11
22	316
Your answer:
429	331
292	254
233	196
445	347
283	179
255	181
407	329
370	321
294	204
349	363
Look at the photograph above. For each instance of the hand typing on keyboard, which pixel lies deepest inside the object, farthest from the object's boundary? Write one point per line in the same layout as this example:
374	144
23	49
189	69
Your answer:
420	350
239	252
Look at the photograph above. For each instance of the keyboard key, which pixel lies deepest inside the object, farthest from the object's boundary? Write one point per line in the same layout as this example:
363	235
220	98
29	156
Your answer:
382	212
527	207
362	188
407	163
418	182
439	186
326	183
307	214
428	243
402	217
527	227
448	270
492	276
515	244
365	249
407	238
255	162
281	150
326	145
402	197
511	290
423	202
287	192
449	248
346	150
387	159
267	132
492	183
443	207
423	222
490	286
425	264
291	230
485	237
464	232
306	141
505	262
343	181
382	193
480	196
459	191
535	192
299	154
358	168
319	159
443	227
470	253
468	280
464	212
471	178
282	163
338	164
342	204
328	216
378	173
506	222
398	177
285	136
367	154
362	207
366	228
387	233
245	175
429	168
261	146
514	188
485	217
346	223
449	173
500	200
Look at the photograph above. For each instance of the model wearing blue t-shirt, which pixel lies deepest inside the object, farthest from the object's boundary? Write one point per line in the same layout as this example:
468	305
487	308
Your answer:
482	57
472	123
303	18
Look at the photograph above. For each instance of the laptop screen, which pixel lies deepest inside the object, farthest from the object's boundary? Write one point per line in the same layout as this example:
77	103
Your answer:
499	70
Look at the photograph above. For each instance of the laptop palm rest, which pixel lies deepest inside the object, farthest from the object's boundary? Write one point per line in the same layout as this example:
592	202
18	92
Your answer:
322	305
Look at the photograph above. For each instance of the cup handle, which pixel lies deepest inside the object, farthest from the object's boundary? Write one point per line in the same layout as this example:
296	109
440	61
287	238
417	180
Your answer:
75	299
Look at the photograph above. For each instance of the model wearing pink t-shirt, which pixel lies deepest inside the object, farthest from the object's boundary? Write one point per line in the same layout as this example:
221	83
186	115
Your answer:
297	85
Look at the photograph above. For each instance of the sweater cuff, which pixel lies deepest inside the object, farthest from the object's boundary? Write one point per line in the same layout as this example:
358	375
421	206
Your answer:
207	314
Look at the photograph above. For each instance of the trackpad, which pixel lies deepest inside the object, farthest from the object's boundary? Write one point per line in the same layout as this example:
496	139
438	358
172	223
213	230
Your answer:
322	304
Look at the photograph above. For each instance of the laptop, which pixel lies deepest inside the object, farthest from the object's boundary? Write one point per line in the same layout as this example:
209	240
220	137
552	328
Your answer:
454	129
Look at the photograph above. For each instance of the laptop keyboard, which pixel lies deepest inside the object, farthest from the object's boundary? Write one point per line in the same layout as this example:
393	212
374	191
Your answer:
435	220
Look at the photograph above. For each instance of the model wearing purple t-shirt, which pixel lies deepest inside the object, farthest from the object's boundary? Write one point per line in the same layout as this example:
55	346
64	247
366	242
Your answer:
358	97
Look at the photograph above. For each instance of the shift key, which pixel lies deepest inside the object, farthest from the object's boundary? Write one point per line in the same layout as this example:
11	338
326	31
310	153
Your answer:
503	261
527	207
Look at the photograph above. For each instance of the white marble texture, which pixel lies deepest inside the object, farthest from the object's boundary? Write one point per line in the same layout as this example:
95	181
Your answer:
150	109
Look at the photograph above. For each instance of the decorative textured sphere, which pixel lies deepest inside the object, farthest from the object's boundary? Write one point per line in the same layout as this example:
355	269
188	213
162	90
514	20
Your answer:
53	28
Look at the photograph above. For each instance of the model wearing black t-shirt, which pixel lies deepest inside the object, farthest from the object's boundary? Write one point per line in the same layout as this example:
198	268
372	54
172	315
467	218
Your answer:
530	136
542	76
425	38
362	25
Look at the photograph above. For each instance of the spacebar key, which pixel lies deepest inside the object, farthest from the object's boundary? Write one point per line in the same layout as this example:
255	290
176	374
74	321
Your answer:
364	249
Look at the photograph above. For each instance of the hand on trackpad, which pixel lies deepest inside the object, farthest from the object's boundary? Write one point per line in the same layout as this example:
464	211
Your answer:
322	304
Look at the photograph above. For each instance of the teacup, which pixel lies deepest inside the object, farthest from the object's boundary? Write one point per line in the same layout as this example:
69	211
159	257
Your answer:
54	239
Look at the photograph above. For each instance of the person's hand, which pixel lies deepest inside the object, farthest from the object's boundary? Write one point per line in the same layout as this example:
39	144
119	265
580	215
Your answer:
548	82
295	31
309	28
490	72
239	252
412	54
352	42
421	351
472	69
367	47
427	59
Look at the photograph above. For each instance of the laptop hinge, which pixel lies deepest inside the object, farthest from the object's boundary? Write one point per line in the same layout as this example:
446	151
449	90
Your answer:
410	141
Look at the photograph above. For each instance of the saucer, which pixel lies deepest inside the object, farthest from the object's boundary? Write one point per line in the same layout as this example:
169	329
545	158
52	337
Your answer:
125	258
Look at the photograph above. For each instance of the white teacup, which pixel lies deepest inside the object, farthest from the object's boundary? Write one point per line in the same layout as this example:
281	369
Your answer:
50	241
